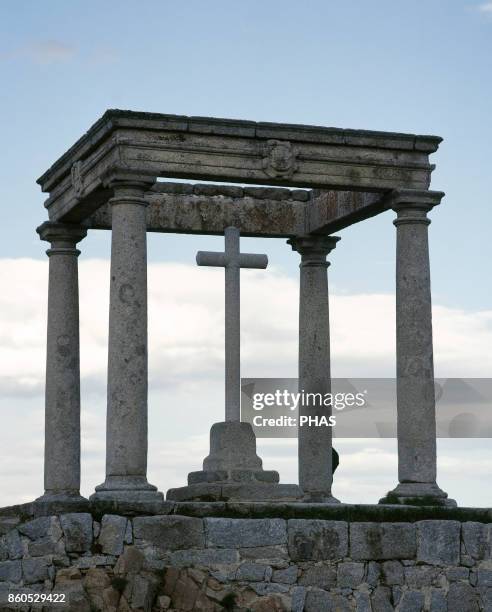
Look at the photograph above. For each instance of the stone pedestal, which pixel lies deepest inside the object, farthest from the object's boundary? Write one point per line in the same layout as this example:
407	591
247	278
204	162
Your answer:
233	471
62	407
126	434
314	442
416	411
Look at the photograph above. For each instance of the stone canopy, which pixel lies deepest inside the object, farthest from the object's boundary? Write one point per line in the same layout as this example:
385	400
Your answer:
347	172
269	180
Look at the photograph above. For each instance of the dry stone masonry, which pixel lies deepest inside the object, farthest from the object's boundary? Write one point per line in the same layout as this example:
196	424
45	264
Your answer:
111	562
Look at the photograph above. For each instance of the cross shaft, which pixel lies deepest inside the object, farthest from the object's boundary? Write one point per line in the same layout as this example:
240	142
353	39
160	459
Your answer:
232	260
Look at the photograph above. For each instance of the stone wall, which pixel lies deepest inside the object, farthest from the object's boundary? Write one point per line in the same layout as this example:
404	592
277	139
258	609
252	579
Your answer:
115	562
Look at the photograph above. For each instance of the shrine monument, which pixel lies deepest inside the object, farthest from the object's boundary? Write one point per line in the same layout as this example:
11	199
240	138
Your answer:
234	537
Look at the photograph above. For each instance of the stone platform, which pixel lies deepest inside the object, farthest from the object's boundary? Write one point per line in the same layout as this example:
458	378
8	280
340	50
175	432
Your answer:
234	472
115	556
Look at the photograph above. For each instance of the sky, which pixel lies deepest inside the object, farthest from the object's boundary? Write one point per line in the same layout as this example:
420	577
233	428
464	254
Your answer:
421	67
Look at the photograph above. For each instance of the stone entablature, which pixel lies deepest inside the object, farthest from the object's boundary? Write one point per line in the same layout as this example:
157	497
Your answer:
297	557
154	145
269	212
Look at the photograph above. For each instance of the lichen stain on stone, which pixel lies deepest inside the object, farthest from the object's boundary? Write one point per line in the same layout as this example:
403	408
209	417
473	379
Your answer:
63	345
126	293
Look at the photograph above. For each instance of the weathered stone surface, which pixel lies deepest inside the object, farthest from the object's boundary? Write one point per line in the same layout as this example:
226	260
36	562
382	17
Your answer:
4	553
382	541
263	578
62	396
411	601
34	570
317	540
438	601
169	532
131	560
318	601
42	527
298	599
438	542
7	523
45	546
373	573
245	533
457	573
273	554
462	598
10	571
287	575
420	576
239	151
265	588
415	372
484	577
96	582
94	561
251	572
144	589
381	599
392	573
77	529
126	448
13	544
350	574
314	443
67	574
112	534
362	602
321	576
476	540
208	557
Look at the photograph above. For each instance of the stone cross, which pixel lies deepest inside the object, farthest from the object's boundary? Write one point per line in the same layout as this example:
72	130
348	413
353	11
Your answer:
232	260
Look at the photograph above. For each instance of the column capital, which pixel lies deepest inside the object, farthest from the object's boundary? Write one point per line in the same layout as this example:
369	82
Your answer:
412	205
313	248
314	243
62	235
116	177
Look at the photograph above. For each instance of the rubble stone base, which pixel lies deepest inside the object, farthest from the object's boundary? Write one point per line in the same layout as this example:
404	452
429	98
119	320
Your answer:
247	557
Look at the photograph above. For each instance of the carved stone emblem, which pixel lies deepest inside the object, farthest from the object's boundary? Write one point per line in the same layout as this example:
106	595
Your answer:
279	158
77	179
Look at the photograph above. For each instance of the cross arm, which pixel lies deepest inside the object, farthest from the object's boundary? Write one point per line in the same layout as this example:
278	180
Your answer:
246	260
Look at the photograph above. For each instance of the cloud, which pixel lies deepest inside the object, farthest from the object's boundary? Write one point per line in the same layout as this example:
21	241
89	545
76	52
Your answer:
47	52
186	328
486	7
50	51
186	323
43	52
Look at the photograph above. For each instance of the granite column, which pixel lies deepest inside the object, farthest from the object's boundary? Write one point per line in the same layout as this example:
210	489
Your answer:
62	395
126	428
416	412
314	441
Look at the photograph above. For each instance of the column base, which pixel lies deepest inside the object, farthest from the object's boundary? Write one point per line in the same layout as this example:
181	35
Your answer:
60	496
418	494
233	471
66	501
126	488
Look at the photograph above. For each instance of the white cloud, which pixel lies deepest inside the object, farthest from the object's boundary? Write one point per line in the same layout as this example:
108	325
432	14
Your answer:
486	7
186	369
50	51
